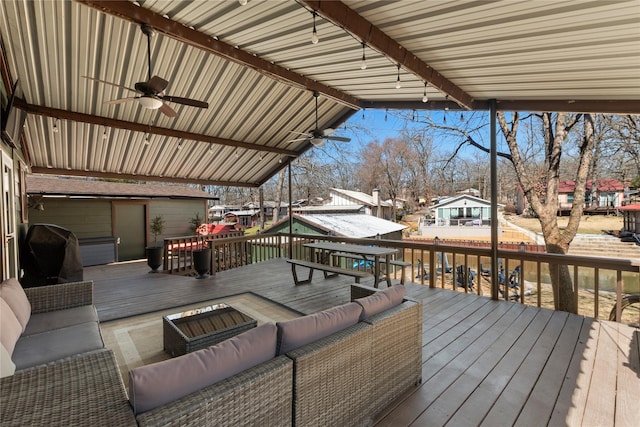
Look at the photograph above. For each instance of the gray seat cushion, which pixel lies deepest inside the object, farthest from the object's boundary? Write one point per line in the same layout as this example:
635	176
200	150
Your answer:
45	347
43	322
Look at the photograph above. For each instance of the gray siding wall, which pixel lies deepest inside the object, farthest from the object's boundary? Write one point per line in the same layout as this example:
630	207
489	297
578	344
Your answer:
85	218
177	215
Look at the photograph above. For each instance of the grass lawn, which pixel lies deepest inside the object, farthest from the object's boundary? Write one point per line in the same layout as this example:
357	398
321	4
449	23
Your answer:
589	224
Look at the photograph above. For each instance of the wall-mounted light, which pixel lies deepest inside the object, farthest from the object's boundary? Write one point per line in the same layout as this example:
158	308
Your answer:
314	35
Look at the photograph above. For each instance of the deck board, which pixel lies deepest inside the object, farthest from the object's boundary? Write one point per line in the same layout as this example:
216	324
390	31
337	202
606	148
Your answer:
484	362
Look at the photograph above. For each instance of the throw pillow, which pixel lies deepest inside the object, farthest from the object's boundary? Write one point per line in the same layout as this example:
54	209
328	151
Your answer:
14	295
157	384
10	328
7	367
381	301
303	330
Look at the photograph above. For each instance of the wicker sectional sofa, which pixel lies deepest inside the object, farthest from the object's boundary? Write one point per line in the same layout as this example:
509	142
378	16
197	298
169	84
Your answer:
330	376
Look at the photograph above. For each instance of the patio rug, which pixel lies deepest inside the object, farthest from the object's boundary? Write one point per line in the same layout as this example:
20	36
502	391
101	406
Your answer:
137	340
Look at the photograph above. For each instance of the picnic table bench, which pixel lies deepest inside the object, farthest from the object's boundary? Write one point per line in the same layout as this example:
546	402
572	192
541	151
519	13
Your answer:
329	271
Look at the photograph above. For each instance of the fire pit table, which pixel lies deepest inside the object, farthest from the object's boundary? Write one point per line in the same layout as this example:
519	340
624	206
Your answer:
196	329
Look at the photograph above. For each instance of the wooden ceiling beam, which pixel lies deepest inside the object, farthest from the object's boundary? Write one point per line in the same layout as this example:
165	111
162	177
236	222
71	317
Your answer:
139	15
139	127
344	17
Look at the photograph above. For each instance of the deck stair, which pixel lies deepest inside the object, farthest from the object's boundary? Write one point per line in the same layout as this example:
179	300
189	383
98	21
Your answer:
603	246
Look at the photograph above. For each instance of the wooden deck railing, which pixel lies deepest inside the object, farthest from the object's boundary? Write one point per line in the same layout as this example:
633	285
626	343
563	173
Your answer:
524	274
178	251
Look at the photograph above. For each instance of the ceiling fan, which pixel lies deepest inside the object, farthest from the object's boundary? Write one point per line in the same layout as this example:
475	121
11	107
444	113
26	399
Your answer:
151	93
318	136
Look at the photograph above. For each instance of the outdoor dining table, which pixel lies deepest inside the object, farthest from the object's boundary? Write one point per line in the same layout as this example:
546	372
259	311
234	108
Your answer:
372	254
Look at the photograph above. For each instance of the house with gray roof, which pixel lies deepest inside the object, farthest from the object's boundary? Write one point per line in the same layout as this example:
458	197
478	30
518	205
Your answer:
111	218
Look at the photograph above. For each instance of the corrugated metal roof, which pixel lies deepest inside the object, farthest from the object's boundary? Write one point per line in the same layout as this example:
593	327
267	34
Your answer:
562	53
352	225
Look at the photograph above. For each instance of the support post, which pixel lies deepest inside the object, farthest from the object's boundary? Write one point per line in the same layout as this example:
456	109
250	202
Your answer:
494	200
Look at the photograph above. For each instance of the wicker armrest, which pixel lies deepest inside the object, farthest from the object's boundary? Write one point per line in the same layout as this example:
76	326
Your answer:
397	345
333	379
84	390
60	296
261	395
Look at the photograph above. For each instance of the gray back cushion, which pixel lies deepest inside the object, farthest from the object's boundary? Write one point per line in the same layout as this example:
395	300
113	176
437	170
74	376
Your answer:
303	330
381	301
157	384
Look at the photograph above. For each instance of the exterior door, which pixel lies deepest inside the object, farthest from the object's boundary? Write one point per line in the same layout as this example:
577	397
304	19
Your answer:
8	220
129	230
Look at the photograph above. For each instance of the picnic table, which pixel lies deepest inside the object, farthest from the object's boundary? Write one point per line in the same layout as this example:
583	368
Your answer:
322	251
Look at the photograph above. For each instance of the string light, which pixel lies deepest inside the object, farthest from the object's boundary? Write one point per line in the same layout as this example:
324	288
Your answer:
425	98
210	148
363	63
446	103
104	134
385	114
398	84
180	145
242	2
55	125
146	139
237	153
314	35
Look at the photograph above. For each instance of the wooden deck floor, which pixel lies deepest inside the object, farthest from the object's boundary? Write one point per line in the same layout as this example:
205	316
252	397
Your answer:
490	363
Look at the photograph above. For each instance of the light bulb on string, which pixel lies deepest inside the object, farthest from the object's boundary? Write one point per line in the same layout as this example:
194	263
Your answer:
363	63
398	84
242	2
314	35
425	98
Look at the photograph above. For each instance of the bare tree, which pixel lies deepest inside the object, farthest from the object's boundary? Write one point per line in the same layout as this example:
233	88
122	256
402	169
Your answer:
543	194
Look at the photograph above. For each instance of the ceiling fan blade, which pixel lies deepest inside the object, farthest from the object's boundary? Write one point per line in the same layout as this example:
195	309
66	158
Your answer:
167	111
186	101
120	101
157	84
328	131
298	140
338	138
109	83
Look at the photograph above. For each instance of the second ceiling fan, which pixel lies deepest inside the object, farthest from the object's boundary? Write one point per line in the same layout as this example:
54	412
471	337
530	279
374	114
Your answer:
151	93
318	136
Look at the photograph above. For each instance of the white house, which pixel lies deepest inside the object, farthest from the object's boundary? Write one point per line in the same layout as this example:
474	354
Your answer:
462	216
372	203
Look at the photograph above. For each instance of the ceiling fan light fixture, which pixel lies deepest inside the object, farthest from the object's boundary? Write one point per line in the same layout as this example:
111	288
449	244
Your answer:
318	142
150	102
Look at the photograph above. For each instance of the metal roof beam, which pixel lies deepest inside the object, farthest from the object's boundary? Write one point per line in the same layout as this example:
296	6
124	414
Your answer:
139	127
139	15
344	17
111	175
570	106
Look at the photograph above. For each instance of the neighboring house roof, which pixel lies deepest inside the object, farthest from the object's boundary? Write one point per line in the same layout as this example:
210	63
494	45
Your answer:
454	201
329	208
243	213
607	184
266	204
63	186
365	198
632	207
351	225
